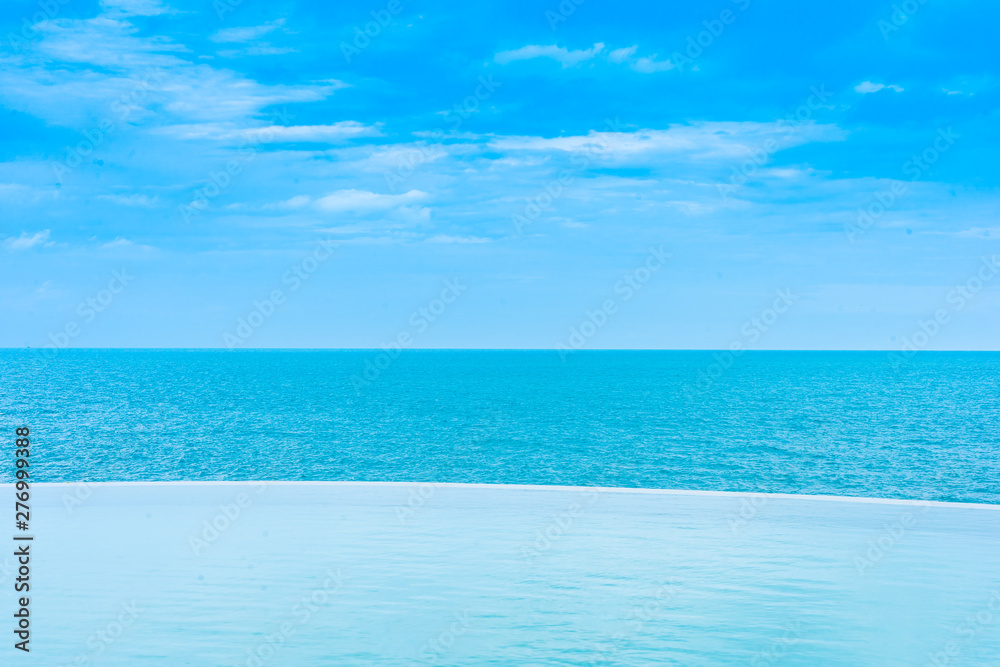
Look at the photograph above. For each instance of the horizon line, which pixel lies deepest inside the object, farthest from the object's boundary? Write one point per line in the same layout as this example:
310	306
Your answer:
495	349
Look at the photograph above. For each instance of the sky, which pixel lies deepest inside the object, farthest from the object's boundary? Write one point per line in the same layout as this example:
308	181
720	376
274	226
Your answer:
558	175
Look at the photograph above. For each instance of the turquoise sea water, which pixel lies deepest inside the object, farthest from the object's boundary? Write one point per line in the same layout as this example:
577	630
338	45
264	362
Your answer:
836	423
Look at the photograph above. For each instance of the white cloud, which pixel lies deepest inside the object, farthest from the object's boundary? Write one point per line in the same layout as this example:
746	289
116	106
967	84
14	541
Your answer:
138	200
248	33
704	140
364	201
26	241
347	129
296	202
257	51
868	87
105	41
649	65
224	94
122	243
445	238
691	207
643	65
149	76
335	133
119	242
560	53
621	55
980	233
250	36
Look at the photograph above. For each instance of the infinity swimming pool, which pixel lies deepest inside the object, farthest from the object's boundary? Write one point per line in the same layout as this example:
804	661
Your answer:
298	574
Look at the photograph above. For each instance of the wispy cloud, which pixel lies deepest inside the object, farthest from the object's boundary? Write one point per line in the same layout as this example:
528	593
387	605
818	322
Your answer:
122	243
868	87
263	50
980	233
649	65
136	200
251	36
151	74
336	132
559	53
626	55
445	238
292	203
248	33
333	133
363	201
621	55
26	241
703	140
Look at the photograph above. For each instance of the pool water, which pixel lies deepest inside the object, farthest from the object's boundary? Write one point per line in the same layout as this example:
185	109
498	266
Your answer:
251	574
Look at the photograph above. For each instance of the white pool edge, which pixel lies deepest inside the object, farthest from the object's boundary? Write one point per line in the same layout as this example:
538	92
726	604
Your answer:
530	487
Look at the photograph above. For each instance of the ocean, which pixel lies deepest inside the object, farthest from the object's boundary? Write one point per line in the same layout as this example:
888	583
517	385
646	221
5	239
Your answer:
838	423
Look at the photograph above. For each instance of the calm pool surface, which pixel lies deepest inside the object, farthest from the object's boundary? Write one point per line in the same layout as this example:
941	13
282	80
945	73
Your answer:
402	574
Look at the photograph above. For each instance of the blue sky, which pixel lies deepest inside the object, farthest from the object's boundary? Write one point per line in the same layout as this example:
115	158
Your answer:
269	174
